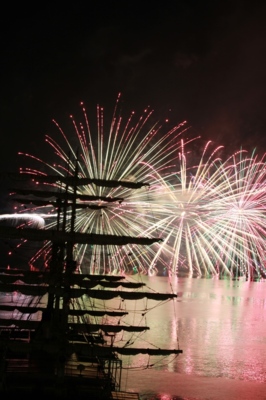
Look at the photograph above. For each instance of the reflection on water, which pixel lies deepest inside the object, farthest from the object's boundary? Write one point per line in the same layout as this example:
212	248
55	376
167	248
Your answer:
219	325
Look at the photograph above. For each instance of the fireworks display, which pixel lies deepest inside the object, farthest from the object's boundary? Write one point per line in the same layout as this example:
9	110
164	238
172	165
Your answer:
209	212
215	219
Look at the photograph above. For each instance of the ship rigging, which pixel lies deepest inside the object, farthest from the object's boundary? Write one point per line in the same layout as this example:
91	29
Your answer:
50	343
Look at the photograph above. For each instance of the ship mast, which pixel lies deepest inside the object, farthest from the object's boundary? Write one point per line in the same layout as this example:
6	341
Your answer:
54	333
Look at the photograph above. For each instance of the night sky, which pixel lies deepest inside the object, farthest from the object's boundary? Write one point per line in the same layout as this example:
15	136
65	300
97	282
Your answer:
206	61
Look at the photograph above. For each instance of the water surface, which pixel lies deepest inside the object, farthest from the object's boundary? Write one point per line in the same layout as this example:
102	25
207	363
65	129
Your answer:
220	324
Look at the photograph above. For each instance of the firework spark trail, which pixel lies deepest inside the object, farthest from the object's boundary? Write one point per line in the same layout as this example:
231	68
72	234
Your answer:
241	218
210	213
216	222
33	220
124	152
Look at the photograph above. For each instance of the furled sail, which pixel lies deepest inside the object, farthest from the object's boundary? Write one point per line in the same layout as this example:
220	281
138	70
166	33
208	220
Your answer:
94	277
73	237
72	180
90	351
65	196
74	327
73	312
36	290
75	280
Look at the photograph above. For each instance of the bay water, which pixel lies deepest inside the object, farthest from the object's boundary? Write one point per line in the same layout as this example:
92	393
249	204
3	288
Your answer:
220	325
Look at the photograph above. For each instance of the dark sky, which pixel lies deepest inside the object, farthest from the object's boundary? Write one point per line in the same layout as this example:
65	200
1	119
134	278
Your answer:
204	60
